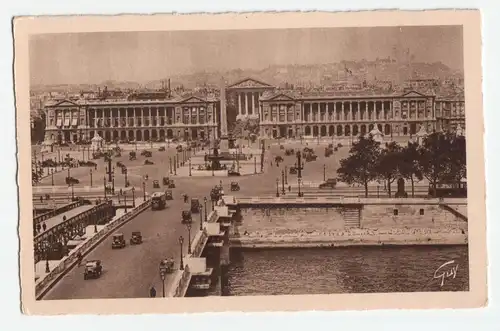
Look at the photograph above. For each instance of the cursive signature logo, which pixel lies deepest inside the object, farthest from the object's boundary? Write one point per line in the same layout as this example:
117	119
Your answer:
446	270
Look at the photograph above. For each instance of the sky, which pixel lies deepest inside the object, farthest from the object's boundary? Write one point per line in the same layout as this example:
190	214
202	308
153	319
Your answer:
91	58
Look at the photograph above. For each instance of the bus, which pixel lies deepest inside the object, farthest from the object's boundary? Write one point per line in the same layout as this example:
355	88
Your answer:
158	200
449	190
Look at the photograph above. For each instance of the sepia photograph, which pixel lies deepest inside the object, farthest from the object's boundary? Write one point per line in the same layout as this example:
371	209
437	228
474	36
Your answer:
238	162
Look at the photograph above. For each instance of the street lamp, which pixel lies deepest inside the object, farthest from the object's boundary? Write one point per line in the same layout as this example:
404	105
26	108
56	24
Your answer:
163	273
170	164
47	267
52	174
286	175
125	199
113	181
72	191
324	172
189	237
144	190
298	182
181	241
277	187
190	167
105	193
255	164
133	197
90	177
175	165
201	218
205	201
283	182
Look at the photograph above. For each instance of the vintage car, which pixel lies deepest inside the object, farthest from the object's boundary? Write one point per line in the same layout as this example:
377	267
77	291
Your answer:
72	180
118	241
235	186
136	238
161	149
169	195
186	217
132	156
156	184
147	162
167	265
195	205
282	147
166	181
293	170
330	183
93	269
179	148
171	184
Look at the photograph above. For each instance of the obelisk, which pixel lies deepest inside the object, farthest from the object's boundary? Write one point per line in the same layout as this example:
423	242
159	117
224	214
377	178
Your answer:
224	139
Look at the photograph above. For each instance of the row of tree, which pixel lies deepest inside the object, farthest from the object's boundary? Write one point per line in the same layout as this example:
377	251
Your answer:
440	158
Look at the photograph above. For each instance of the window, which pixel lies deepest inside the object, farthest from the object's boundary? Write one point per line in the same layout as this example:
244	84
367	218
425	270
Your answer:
421	211
395	212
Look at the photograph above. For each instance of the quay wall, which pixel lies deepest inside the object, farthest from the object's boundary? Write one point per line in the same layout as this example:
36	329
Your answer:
337	224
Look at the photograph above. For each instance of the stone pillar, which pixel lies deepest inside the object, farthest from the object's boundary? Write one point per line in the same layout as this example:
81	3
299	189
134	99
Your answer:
239	103
246	103
350	111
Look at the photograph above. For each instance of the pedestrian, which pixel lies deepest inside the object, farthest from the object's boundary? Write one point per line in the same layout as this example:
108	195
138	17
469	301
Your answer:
38	228
96	167
79	258
121	192
152	292
41	199
64	218
289	188
44	226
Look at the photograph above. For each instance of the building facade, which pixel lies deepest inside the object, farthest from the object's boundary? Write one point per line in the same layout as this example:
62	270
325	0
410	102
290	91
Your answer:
131	120
280	114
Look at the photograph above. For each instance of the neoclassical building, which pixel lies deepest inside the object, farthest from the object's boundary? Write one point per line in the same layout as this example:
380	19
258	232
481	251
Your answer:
134	120
280	114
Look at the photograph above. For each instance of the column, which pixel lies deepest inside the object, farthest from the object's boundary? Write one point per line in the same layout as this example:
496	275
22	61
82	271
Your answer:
246	103
350	111
343	112
239	103
126	119
256	104
150	120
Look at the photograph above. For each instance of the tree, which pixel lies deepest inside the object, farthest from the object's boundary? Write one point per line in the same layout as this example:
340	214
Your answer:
360	166
433	159
457	159
409	164
388	164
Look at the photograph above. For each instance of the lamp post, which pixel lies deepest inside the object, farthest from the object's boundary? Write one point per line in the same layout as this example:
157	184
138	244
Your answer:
69	174
286	175
298	182
52	174
255	164
47	250
133	197
125	172
90	177
125	199
324	172
189	237
144	190
205	201
189	167
170	164
282	182
181	241
163	272
72	191
277	187
105	191
113	181
175	165
201	218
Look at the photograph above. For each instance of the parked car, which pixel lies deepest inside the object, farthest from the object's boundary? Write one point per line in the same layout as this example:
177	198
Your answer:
118	241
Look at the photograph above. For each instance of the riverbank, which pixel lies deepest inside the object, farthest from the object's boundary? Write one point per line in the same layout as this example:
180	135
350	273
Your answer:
351	237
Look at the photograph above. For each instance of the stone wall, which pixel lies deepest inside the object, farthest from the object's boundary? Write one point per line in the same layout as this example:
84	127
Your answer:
377	216
290	219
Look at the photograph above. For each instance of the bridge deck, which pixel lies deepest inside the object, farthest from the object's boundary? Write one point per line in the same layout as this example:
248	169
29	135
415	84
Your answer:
53	221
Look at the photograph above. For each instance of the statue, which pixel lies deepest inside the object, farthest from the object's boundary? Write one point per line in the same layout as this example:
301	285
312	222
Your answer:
401	193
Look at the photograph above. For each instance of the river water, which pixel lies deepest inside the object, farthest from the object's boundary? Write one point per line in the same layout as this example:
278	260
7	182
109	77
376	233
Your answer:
343	270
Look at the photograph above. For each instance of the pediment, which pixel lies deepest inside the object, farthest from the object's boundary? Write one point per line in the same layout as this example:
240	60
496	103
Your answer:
65	103
414	94
281	97
249	83
192	100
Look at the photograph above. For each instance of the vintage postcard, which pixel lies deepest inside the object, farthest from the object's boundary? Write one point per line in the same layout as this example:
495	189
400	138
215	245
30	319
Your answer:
256	162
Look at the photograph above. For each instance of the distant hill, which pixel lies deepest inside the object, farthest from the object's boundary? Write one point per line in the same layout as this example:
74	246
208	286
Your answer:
299	75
